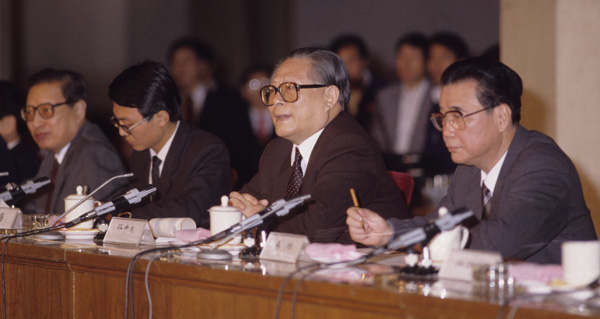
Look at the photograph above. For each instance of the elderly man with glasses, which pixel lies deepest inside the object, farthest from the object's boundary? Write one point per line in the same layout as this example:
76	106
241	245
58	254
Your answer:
189	167
78	153
320	150
525	193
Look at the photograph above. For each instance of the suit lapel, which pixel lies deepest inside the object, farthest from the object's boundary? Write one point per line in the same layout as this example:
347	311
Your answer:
172	159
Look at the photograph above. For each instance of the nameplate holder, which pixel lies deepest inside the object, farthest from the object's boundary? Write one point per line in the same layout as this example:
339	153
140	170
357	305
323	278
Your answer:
283	247
10	218
129	231
460	264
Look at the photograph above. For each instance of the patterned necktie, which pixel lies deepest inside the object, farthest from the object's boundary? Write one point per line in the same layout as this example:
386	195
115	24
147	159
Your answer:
295	182
155	170
486	197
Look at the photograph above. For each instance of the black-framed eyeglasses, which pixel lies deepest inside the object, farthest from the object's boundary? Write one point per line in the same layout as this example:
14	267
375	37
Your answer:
46	110
127	129
288	91
454	117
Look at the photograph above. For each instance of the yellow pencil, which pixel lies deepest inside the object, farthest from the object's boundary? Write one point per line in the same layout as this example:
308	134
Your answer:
355	200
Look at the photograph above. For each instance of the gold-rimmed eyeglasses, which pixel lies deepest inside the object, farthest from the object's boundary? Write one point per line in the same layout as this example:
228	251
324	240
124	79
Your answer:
288	91
127	129
454	117
46	110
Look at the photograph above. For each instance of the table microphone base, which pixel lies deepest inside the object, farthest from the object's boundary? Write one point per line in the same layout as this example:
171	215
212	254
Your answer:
216	254
53	235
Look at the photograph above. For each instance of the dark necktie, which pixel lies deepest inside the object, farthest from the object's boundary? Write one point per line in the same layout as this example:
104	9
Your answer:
486	197
51	189
155	170
295	182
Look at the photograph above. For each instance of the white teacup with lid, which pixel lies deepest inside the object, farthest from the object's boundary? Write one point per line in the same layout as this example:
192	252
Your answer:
83	208
223	217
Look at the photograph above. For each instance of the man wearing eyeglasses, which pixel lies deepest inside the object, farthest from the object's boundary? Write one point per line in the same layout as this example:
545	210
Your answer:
524	191
321	151
189	167
78	153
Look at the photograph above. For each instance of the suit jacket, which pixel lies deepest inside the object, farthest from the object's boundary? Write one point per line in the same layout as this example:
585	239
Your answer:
195	175
26	161
344	157
537	202
385	124
90	160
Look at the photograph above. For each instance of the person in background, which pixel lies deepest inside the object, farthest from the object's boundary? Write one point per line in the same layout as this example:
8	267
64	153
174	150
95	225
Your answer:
320	150
188	166
523	190
363	84
14	132
77	152
259	119
445	48
208	104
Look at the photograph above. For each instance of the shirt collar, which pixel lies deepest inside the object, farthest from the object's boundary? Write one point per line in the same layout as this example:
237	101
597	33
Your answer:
13	144
305	149
162	154
491	178
61	155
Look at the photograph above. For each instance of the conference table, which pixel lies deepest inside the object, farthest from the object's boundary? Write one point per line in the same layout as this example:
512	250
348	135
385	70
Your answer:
64	279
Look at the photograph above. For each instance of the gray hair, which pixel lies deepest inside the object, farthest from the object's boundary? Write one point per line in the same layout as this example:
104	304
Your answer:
327	68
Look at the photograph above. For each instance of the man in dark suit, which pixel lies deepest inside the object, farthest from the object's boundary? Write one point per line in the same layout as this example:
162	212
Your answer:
78	153
524	191
321	151
189	167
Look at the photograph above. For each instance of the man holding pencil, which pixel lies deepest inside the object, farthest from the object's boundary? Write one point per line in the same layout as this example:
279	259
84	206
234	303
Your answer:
321	151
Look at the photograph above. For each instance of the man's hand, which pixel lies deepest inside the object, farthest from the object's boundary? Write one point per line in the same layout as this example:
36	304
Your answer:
247	203
367	227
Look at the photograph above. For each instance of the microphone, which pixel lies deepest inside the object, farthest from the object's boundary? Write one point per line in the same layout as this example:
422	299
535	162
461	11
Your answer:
278	209
425	234
133	196
11	196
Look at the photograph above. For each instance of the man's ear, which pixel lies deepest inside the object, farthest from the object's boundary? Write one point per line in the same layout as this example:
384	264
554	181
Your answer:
80	108
503	116
162	117
332	95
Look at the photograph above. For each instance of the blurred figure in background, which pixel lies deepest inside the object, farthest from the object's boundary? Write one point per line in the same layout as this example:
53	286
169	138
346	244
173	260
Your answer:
444	49
13	130
363	85
261	129
205	102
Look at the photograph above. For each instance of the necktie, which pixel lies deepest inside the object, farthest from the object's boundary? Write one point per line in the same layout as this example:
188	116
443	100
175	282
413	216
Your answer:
155	169
51	189
486	197
295	182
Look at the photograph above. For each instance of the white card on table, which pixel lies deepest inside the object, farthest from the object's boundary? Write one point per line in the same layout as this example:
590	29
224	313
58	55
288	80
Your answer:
129	231
10	218
460	264
284	247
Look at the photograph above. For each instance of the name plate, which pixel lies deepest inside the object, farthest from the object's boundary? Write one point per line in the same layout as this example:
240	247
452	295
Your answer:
283	247
460	264
129	231
10	218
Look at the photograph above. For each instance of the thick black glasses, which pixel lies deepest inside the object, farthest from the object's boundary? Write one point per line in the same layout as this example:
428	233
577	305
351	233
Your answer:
454	117
127	129
288	91
46	111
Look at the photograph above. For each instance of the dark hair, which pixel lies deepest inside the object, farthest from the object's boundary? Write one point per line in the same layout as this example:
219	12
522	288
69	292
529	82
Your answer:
149	87
416	40
252	69
452	42
200	49
327	68
12	100
73	83
496	83
347	40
